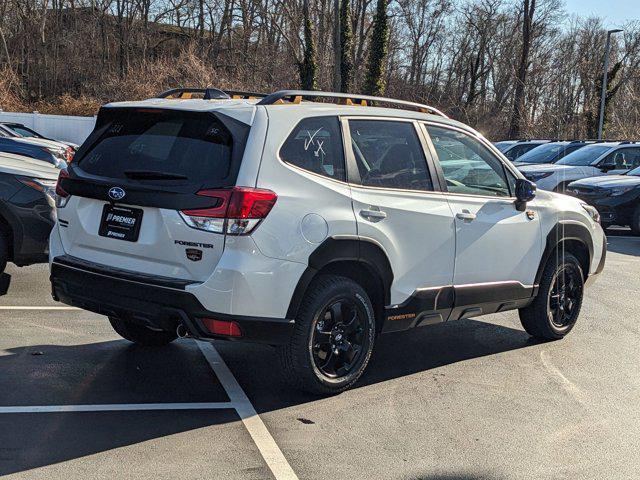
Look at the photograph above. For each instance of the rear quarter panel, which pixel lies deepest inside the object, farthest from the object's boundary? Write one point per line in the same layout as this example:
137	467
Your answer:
323	205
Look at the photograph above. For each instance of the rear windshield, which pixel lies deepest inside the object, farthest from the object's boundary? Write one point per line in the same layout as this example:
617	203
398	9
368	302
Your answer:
160	145
502	146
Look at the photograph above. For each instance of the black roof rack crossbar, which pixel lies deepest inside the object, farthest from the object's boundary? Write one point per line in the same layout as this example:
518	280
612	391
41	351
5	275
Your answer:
348	99
208	93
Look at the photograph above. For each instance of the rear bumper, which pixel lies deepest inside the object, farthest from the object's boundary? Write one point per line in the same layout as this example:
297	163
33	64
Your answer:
158	302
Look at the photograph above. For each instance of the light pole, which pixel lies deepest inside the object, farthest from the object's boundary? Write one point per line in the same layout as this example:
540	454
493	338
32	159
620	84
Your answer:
604	80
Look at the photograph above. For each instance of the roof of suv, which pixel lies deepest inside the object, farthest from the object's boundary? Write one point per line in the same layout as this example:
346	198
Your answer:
243	109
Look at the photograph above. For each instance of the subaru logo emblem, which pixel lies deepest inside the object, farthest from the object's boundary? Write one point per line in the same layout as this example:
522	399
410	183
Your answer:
116	193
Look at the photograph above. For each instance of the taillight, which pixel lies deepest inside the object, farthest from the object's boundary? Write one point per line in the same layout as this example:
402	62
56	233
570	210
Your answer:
222	327
62	196
237	212
69	153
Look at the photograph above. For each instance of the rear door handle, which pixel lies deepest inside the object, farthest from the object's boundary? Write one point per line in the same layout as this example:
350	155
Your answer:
373	215
466	215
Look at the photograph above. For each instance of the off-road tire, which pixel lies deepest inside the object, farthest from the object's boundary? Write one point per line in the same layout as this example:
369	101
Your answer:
635	222
141	335
4	249
536	318
296	357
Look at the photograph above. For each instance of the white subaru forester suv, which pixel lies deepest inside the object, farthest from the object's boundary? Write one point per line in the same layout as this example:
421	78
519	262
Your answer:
313	226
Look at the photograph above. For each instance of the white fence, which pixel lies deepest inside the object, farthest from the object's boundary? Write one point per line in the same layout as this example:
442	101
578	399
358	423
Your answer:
57	127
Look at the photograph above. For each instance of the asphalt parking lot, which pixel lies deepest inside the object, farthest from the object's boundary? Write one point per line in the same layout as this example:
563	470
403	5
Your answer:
473	399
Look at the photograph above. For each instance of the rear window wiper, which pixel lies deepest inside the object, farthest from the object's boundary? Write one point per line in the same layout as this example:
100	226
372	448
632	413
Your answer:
153	175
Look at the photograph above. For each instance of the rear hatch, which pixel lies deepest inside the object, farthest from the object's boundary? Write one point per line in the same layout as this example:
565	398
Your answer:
135	183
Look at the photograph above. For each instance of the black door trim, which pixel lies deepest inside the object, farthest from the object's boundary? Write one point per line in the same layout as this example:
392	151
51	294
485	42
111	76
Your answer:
455	302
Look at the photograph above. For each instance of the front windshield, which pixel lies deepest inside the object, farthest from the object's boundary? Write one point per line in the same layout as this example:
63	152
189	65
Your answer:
584	156
543	154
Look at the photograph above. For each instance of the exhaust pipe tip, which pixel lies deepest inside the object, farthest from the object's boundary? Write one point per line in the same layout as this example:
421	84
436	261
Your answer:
181	331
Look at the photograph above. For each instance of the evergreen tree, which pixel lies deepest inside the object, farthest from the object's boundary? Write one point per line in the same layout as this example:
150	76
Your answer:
374	82
346	46
308	67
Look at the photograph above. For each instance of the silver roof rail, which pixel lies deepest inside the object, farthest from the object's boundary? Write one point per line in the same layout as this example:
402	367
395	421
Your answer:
297	96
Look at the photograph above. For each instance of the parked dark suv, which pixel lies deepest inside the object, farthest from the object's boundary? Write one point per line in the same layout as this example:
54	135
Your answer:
617	198
27	209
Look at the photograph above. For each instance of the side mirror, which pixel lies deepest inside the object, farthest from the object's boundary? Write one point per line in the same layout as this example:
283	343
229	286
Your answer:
525	192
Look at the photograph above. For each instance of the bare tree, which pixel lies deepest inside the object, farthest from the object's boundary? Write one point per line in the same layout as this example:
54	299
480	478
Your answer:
507	67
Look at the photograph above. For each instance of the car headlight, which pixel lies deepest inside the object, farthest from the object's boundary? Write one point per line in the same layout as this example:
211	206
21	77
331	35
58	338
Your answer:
593	213
44	185
535	176
621	190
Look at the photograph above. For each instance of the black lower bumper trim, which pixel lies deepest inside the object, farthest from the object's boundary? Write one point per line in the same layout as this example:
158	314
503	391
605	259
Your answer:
592	278
157	306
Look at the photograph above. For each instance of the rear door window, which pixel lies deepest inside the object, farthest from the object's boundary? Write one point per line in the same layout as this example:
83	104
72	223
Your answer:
389	154
159	145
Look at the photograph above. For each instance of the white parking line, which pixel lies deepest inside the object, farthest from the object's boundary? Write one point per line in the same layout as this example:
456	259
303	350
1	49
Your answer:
273	456
269	450
117	407
18	307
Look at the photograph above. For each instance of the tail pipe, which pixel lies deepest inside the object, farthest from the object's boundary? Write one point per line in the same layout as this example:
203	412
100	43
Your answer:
182	331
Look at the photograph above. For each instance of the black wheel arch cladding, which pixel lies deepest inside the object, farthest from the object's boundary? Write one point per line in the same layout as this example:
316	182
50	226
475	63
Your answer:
335	250
566	231
370	254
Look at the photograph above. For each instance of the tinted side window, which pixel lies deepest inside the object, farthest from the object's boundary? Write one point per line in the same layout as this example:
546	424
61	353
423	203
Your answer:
468	166
518	151
624	158
389	154
316	145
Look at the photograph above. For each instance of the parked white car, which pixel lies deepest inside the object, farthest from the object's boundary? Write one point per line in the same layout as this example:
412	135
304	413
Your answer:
59	149
589	161
311	226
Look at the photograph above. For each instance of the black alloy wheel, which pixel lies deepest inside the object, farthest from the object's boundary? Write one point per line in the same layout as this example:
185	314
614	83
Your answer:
338	338
333	338
555	309
565	296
